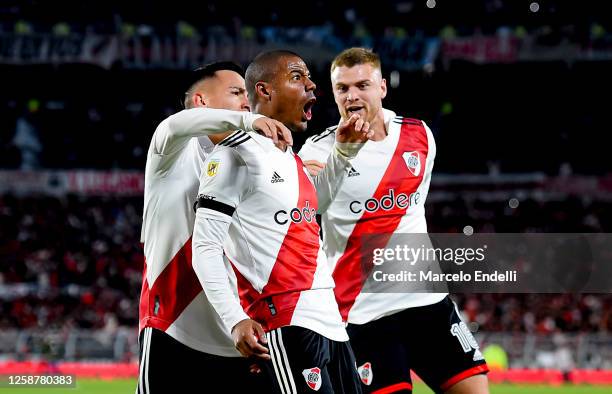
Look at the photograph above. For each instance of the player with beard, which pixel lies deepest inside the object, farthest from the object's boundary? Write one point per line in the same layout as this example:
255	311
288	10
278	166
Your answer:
384	194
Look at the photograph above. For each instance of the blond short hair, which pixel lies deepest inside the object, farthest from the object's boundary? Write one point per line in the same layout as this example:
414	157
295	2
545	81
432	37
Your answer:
354	56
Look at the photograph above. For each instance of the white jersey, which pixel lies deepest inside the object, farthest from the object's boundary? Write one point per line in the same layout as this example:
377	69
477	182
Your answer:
172	299
398	169
263	204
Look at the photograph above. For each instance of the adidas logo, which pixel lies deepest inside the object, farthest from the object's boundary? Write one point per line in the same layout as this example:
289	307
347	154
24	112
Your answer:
353	172
277	178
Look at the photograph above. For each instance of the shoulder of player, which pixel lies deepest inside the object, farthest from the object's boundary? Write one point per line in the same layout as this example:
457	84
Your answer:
421	127
402	120
325	136
226	152
242	141
161	130
235	139
243	146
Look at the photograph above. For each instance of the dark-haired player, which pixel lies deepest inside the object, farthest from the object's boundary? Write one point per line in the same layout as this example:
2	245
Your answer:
183	344
257	206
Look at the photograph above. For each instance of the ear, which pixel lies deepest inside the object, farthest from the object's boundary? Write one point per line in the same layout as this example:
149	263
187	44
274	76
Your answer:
262	89
383	88
198	100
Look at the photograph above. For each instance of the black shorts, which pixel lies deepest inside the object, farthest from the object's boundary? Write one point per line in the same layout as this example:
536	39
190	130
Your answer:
431	340
304	361
168	366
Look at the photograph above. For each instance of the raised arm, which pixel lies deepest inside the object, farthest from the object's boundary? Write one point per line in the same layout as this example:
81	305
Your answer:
351	136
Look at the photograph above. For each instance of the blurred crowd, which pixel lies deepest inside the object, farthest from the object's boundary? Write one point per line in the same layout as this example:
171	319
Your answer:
69	261
507	116
77	262
537	313
338	22
56	114
570	215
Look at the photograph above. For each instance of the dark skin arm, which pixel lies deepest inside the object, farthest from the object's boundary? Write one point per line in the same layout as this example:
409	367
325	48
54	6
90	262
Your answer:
250	338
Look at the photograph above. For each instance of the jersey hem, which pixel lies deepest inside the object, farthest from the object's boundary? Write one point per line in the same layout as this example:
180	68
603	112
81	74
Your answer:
364	319
468	373
394	388
186	339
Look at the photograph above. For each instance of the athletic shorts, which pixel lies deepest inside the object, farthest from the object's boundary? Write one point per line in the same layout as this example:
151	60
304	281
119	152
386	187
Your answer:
306	362
431	340
168	366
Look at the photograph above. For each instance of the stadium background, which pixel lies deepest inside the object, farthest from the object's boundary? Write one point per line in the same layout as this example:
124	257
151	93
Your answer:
515	92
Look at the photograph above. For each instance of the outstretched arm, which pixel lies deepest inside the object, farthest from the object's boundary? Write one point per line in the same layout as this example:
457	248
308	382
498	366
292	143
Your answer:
174	133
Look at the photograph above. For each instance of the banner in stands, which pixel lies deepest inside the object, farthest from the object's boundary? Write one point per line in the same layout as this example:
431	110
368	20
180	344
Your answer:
52	49
443	186
317	44
116	183
484	49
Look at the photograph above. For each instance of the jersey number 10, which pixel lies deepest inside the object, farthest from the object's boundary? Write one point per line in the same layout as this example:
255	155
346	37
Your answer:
465	337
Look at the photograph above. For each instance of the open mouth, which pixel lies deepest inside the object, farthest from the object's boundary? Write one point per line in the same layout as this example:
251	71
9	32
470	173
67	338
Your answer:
307	115
355	109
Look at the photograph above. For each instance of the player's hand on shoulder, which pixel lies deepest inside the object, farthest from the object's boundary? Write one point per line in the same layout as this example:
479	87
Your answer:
354	130
249	338
314	167
271	128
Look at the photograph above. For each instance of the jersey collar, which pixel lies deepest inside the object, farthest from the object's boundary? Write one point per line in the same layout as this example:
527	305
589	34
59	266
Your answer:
389	115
